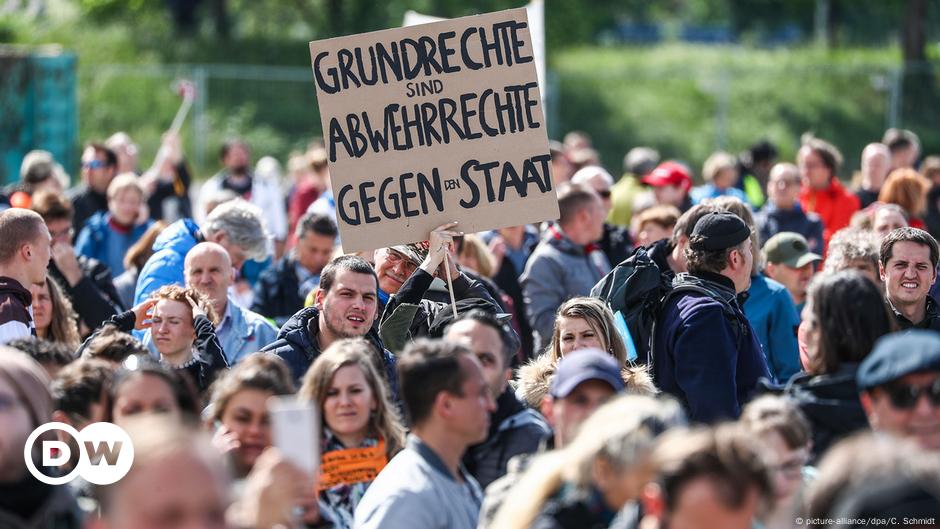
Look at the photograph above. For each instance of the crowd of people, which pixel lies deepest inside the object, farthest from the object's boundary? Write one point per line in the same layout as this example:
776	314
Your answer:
759	351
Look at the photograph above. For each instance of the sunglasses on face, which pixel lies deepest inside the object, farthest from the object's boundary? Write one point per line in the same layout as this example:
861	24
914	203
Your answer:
93	164
906	397
605	193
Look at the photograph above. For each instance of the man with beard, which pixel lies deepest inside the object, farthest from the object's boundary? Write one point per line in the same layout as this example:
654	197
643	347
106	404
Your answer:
346	307
236	176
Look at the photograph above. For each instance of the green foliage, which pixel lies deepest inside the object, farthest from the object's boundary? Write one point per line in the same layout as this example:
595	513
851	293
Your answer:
689	101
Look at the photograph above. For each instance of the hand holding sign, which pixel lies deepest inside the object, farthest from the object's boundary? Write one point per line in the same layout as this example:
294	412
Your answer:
440	246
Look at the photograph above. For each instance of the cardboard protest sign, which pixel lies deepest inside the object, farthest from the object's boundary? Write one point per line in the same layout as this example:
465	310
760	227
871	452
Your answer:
434	123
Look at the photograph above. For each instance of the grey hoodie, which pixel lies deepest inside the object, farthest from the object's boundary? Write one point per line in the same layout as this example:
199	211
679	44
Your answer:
558	271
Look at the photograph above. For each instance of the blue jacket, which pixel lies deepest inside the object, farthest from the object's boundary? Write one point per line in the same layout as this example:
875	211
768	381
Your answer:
165	266
774	318
98	240
710	363
240	333
771	221
298	348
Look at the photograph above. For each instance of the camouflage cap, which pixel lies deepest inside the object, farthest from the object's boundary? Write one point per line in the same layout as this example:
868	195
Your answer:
415	252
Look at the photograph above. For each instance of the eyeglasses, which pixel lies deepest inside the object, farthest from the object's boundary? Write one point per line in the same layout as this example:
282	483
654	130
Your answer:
93	164
906	397
394	258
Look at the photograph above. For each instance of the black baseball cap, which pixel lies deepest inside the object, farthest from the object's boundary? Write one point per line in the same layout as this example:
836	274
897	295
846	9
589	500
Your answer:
718	230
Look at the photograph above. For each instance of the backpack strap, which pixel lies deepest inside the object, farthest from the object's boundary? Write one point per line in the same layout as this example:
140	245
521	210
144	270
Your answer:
730	314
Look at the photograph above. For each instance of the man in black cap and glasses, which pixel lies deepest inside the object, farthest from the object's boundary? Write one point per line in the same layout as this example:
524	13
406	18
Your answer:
704	351
900	386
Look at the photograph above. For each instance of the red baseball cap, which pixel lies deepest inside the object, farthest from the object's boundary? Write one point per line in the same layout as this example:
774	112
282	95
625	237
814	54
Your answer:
669	174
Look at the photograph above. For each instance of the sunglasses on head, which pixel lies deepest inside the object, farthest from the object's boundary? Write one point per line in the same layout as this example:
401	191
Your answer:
905	397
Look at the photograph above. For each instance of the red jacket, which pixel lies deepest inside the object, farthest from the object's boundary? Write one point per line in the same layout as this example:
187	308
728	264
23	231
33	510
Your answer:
834	205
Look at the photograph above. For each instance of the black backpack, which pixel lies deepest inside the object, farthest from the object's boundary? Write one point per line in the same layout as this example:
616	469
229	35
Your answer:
638	289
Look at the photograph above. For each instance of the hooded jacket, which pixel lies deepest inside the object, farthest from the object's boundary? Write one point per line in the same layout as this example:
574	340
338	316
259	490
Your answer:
558	271
514	430
16	317
165	266
535	378
831	404
298	345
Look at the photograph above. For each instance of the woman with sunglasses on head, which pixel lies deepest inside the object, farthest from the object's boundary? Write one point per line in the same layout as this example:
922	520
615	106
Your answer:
181	322
845	313
358	423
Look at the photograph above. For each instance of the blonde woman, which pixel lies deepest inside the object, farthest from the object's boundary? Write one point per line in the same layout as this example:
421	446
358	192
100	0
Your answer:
358	422
581	323
585	484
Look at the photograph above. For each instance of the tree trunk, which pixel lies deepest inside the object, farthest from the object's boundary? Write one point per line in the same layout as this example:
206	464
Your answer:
914	32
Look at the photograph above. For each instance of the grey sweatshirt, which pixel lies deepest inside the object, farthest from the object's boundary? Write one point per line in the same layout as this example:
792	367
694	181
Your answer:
417	491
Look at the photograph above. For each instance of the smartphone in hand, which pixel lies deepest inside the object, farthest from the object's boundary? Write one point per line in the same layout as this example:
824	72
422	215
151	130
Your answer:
295	430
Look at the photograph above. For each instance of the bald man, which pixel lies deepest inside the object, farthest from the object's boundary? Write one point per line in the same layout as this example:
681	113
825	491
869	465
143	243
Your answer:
208	269
876	162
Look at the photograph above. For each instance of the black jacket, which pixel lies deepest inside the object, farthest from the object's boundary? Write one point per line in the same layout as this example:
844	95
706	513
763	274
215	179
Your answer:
831	404
277	292
298	346
94	297
575	508
411	312
86	202
616	243
931	317
514	430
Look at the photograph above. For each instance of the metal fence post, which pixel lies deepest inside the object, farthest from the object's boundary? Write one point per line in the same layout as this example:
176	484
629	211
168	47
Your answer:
895	94
200	120
721	109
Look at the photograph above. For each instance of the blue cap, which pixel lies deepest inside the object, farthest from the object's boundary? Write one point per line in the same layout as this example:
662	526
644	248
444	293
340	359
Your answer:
582	365
897	355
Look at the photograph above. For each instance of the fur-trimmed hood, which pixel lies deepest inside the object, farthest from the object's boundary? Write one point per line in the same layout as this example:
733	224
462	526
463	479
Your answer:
535	377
